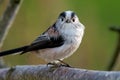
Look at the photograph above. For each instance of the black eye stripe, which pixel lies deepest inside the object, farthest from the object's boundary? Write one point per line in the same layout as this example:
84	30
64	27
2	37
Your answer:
63	14
72	15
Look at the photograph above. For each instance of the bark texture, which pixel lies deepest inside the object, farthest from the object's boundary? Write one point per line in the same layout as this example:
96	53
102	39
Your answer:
44	72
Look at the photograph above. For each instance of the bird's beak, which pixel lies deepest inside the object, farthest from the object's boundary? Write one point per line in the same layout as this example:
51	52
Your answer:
68	21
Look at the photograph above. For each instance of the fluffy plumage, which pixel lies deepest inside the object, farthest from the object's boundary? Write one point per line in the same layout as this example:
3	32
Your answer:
58	42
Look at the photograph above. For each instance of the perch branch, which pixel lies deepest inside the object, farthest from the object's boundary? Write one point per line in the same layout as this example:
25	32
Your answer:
44	72
6	20
117	51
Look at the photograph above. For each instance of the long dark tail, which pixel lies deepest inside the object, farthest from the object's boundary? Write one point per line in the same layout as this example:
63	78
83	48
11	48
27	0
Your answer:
12	51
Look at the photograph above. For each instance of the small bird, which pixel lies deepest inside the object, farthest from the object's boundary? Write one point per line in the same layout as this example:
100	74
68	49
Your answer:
58	42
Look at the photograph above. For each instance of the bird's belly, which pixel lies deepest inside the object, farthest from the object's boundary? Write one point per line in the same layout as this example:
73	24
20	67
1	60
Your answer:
53	54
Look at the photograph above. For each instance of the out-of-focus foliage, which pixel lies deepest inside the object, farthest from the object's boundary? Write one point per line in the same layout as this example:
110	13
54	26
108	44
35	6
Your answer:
35	16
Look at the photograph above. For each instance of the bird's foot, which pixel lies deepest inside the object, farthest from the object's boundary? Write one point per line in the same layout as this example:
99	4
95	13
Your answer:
54	66
61	64
64	63
57	65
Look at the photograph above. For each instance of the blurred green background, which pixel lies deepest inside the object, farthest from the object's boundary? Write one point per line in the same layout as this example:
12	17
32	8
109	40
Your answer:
35	16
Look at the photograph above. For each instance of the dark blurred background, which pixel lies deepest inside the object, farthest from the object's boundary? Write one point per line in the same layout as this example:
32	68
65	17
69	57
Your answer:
35	16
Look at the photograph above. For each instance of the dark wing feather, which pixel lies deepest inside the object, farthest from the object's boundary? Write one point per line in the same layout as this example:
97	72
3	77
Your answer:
49	39
44	42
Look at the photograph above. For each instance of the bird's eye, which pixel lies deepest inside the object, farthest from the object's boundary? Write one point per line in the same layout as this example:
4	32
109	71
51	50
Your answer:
73	19
62	18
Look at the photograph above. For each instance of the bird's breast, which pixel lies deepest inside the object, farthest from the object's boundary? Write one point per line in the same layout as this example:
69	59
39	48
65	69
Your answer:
61	52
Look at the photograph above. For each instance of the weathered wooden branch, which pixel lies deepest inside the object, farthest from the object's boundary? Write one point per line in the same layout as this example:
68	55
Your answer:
44	72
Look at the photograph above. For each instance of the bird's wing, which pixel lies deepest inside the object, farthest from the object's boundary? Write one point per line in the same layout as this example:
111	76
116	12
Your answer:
49	39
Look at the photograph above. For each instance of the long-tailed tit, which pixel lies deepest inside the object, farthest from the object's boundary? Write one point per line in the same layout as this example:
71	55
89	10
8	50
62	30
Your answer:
59	41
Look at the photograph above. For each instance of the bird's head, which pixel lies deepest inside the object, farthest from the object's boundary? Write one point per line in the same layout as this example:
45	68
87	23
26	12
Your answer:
68	22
